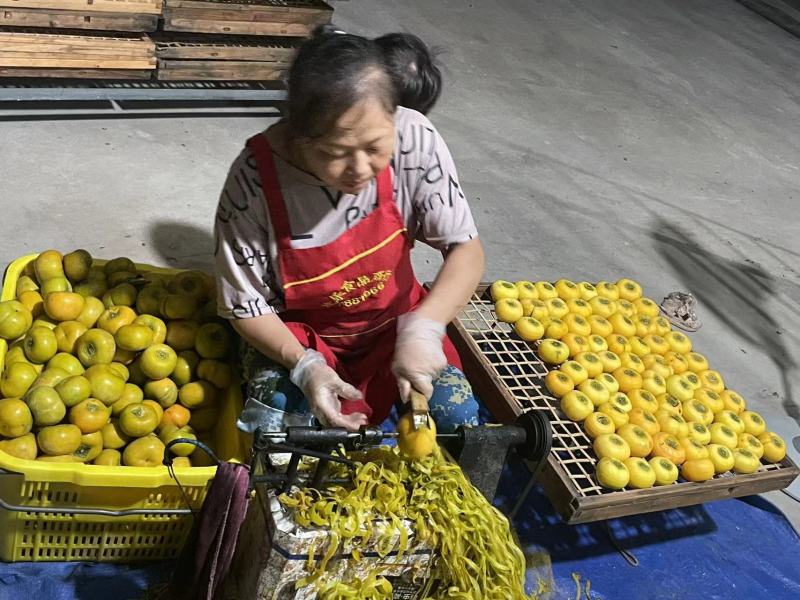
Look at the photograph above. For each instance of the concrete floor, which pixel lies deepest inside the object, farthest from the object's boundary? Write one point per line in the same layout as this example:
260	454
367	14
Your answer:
658	140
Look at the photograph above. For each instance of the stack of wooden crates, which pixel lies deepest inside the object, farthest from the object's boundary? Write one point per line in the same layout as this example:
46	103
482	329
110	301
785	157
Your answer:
233	39
72	38
175	40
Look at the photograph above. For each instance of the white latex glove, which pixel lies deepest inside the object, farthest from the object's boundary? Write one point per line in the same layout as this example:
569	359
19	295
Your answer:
418	354
323	387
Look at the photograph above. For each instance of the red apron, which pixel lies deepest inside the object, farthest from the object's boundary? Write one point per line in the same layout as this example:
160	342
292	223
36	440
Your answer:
343	299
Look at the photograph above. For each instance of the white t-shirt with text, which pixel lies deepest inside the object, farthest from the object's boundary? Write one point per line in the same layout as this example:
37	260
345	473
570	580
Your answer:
426	190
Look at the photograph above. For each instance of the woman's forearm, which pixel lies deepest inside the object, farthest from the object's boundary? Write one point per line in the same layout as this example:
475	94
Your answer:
269	335
455	283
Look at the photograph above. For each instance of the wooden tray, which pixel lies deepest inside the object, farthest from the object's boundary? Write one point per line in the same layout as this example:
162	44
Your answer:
150	7
508	376
32	48
218	70
246	17
73	19
193	57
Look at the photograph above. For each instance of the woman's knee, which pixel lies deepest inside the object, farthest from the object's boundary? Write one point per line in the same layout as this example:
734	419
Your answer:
453	402
269	383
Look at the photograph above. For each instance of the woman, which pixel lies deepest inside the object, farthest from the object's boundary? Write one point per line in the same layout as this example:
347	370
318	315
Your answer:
313	237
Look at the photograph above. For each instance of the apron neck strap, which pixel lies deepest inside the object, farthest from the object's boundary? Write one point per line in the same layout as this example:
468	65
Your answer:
384	191
279	217
276	207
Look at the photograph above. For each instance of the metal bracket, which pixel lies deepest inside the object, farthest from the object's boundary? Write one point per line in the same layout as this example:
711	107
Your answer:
37	96
482	451
83	89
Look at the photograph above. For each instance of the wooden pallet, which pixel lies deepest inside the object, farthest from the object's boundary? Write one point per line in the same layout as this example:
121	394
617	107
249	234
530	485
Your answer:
218	70
184	57
246	17
149	7
73	19
508	376
37	49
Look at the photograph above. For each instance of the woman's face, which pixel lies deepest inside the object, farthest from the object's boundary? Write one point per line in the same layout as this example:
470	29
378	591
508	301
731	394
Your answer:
359	146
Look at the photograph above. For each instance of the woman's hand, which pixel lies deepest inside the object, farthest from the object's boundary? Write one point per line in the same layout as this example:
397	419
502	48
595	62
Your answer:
323	387
308	369
418	354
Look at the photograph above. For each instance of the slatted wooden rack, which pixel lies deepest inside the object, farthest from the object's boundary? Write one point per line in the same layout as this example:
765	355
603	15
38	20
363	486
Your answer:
206	47
508	376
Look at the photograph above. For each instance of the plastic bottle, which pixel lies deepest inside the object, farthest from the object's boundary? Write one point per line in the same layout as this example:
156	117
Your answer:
284	412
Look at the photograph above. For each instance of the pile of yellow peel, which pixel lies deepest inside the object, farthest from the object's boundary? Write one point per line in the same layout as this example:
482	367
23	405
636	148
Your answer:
477	556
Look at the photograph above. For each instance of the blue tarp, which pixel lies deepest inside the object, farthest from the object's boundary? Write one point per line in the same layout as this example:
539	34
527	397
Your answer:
77	581
731	550
741	549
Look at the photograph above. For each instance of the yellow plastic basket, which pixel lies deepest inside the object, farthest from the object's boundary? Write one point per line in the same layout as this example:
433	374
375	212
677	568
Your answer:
72	511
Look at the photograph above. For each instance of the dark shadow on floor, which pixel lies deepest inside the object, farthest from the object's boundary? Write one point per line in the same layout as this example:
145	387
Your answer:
772	12
183	246
738	293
